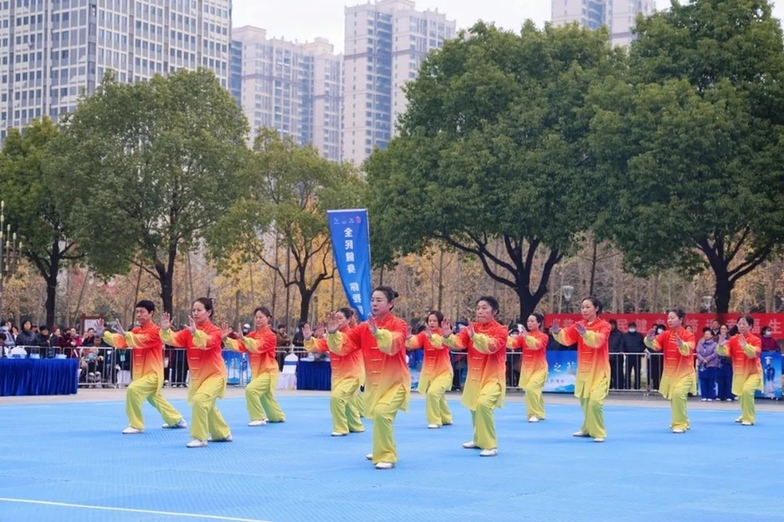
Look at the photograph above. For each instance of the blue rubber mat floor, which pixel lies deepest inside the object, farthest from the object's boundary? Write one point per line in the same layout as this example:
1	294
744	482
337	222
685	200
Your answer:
69	462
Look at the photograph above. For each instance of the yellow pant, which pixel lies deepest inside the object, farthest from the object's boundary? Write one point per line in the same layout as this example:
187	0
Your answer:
147	387
383	415
344	407
436	408
534	404
207	419
593	410
679	394
259	398
747	408
482	418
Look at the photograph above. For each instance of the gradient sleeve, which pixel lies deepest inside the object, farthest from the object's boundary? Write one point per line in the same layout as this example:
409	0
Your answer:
179	339
316	345
597	338
391	341
457	342
753	348
114	340
232	344
566	336
416	341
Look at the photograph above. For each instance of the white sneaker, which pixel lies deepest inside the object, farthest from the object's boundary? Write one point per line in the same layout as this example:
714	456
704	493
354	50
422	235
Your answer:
196	443
130	430
533	418
369	456
580	434
746	423
181	424
433	426
598	439
470	445
710	400
255	423
678	430
739	420
228	438
704	399
338	434
488	453
385	465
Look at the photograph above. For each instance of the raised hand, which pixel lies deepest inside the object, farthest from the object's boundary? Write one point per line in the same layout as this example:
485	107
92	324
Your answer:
307	333
332	322
240	335
554	329
99	327
580	329
428	332
191	324
679	341
446	327
722	340
470	330
408	332
119	327
742	341
225	330
165	321
372	324
651	334
319	331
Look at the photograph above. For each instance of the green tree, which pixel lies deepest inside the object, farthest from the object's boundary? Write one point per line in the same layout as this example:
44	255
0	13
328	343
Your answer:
690	142
30	191
493	150
154	165
287	191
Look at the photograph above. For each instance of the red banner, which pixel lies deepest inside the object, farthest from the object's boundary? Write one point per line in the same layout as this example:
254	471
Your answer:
697	321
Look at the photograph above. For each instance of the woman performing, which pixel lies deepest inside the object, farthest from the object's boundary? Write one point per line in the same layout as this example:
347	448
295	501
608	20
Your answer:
593	365
347	376
260	345
387	379
485	386
678	378
744	348
534	371
436	377
147	350
203	341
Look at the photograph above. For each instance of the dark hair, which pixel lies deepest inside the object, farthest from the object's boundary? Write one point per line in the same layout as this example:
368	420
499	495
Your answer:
421	328
347	312
765	328
439	316
632	324
390	294
265	311
613	322
492	301
207	303
147	305
539	318
707	329
680	314
749	319
3	336
595	302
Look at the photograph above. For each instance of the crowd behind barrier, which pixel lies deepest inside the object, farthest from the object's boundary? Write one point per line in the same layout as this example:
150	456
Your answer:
106	367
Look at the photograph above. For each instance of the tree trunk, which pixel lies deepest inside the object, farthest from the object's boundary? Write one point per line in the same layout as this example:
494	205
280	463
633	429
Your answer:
165	278
51	282
304	305
724	288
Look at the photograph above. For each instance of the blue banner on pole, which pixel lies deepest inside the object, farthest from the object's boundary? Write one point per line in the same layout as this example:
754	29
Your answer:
350	235
771	375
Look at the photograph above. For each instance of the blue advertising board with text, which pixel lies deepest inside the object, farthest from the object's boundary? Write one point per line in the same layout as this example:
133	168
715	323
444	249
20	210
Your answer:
350	235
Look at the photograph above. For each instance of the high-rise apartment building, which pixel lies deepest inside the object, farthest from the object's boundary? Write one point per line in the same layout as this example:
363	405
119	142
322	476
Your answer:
618	15
292	87
53	50
385	43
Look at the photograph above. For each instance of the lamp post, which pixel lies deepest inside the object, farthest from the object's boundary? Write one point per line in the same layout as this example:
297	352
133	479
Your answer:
566	292
707	300
10	250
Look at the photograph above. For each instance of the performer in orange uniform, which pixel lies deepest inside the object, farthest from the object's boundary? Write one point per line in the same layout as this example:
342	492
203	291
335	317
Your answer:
533	343
347	376
203	341
679	377
485	386
147	352
259	393
592	336
436	377
387	379
744	348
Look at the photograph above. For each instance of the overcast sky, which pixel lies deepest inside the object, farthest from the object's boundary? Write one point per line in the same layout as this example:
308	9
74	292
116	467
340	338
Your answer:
304	20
